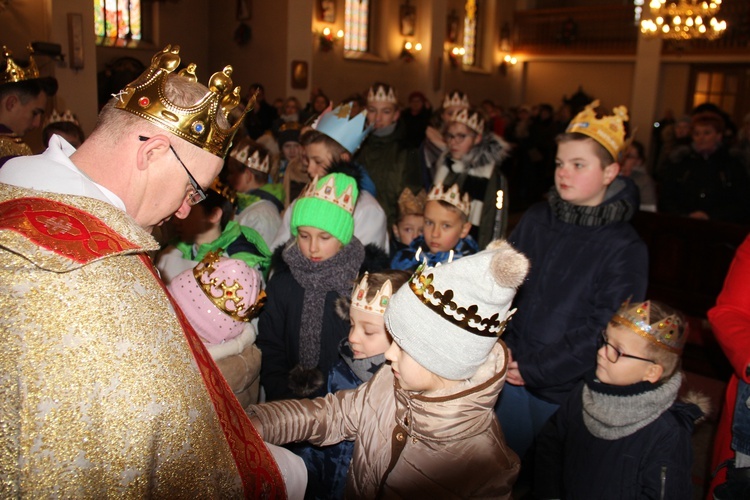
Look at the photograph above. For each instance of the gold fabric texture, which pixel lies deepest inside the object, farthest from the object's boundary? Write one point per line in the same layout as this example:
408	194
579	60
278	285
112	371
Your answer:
12	145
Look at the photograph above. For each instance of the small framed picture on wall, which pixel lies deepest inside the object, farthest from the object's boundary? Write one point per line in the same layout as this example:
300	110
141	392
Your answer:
408	19
299	75
327	11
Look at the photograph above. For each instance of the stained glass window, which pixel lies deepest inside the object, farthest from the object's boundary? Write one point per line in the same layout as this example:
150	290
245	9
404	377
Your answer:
357	25
470	32
117	19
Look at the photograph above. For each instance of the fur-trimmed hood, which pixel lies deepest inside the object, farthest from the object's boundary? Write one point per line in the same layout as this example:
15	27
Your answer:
481	160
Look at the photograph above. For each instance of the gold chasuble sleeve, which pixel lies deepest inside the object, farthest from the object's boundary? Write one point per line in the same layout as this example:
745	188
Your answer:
103	393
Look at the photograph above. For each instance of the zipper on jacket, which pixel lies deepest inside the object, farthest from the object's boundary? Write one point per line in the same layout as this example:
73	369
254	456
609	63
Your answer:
663	482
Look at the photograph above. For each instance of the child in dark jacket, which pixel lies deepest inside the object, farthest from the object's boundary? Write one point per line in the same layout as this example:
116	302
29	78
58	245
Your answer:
585	257
622	433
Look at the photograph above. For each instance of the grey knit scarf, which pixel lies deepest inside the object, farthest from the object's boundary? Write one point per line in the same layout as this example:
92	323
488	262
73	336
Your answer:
600	215
611	412
364	368
336	274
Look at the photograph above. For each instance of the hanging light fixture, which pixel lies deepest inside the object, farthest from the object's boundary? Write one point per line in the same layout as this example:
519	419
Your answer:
684	19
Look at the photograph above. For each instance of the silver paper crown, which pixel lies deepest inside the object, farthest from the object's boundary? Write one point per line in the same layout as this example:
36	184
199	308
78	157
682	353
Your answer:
253	161
380	94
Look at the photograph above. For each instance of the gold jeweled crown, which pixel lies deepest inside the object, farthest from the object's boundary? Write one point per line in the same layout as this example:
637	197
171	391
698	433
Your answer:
379	93
668	333
224	190
411	204
451	195
609	131
472	120
145	97
379	303
443	304
15	73
456	99
205	269
253	161
327	192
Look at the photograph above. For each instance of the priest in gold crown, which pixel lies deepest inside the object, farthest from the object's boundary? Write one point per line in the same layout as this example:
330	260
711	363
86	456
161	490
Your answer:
23	102
106	389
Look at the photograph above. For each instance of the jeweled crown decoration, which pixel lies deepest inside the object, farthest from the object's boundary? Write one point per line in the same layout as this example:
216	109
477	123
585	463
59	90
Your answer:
667	333
66	116
239	310
382	93
379	302
224	190
456	99
473	120
255	161
15	73
411	204
609	130
442	303
145	97
327	192
451	195
340	126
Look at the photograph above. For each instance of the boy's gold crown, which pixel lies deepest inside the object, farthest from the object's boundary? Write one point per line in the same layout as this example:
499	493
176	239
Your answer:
14	72
472	120
668	333
609	131
196	124
410	204
379	303
380	94
452	196
224	190
327	192
253	161
239	311
456	99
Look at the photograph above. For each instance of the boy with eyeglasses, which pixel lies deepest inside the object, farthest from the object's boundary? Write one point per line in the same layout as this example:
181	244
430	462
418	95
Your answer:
622	433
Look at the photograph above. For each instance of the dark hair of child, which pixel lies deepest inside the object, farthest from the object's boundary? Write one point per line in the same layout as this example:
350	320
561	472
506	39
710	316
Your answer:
600	151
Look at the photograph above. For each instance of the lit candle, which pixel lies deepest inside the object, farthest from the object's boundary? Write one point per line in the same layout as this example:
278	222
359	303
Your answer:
419	251
450	256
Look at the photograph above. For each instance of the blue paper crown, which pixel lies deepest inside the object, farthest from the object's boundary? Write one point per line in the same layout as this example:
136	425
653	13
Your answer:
339	126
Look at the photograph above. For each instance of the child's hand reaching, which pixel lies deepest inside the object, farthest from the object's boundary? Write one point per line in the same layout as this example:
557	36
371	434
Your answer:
514	375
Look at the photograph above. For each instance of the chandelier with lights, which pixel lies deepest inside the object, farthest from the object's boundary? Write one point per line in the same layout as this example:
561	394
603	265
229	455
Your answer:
684	19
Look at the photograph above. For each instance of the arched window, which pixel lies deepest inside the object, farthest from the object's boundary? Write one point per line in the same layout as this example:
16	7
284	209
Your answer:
471	22
357	25
117	22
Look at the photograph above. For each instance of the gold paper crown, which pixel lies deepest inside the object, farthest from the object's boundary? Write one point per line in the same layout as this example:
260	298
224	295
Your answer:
409	204
56	117
668	333
253	161
378	303
609	131
458	99
443	304
452	196
206	268
327	192
379	93
145	97
472	120
14	72
224	190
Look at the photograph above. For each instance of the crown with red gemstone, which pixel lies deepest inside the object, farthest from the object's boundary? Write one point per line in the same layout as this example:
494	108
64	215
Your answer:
451	195
456	99
382	93
145	97
379	303
255	161
227	299
609	131
14	72
327	192
667	333
473	120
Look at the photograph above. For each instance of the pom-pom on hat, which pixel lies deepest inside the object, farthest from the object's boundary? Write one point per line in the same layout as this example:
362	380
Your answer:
450	316
218	296
328	204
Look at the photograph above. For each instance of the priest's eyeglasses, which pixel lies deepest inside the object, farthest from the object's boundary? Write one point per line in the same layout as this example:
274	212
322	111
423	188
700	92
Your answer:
613	354
198	194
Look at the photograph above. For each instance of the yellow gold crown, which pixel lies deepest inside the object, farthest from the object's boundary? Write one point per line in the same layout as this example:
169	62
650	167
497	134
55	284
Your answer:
253	161
472	120
327	192
145	97
668	333
457	99
239	311
382	93
14	72
609	131
224	190
409	204
378	303
452	196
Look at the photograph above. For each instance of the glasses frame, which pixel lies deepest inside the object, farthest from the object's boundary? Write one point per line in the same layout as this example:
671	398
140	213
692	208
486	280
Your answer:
198	194
607	346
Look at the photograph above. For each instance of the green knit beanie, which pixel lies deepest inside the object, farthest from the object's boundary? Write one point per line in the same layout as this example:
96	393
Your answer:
328	204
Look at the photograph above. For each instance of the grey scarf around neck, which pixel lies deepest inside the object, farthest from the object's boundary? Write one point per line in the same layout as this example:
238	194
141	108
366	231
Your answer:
600	215
609	416
365	368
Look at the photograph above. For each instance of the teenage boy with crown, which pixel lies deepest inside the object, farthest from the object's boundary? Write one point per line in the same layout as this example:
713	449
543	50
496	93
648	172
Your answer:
585	257
23	102
335	137
446	231
391	163
622	433
472	160
114	394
